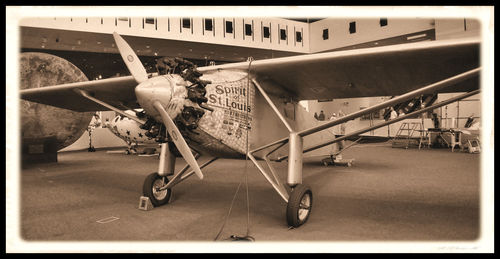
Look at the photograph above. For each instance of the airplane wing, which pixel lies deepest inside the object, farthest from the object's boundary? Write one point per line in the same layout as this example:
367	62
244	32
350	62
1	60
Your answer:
379	71
116	91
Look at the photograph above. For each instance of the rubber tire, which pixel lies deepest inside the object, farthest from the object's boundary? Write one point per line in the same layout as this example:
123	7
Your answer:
147	190
292	209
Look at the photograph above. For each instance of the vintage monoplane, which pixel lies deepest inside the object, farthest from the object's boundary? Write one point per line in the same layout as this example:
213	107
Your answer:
251	108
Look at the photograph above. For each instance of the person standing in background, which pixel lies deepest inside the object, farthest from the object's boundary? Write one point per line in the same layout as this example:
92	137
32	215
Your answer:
97	123
394	114
333	117
390	127
321	116
342	126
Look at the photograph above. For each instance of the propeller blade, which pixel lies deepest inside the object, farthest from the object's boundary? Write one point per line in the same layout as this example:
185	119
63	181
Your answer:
179	141
133	63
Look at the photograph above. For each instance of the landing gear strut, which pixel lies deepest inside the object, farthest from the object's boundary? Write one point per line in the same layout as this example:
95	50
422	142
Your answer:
299	200
157	187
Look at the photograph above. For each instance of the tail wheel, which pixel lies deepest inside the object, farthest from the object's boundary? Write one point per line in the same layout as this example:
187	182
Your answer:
299	205
150	189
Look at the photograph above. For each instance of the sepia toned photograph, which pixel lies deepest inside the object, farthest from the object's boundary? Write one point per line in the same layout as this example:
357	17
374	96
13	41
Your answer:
249	129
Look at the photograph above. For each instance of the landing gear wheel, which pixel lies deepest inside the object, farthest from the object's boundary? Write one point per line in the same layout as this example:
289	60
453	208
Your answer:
149	189
299	205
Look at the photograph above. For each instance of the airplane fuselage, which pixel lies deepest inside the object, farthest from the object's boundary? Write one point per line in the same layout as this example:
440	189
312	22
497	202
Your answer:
231	130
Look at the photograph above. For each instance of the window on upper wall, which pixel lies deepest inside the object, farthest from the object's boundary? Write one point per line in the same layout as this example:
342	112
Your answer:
325	34
283	34
229	27
248	29
186	23
383	22
120	20
352	27
149	20
267	32
298	36
208	24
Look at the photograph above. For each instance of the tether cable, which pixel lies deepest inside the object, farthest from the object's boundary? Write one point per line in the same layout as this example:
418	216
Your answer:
250	59
247	237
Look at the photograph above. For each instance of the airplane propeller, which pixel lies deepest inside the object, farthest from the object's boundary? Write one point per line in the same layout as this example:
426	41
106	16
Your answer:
139	73
133	63
179	141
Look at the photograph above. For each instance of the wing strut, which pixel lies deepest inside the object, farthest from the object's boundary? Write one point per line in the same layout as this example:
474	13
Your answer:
423	90
400	118
270	102
275	182
87	95
295	140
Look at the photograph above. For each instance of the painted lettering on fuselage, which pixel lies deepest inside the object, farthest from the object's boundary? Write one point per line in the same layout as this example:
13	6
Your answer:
232	98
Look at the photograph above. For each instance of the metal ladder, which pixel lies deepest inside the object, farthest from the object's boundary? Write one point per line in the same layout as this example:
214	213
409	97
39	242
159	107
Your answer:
410	128
474	145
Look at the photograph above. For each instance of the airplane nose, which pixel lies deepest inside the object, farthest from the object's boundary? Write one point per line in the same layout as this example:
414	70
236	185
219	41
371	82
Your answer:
152	90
